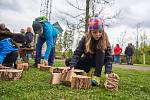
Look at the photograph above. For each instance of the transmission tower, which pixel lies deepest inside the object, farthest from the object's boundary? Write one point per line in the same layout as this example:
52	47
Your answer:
46	8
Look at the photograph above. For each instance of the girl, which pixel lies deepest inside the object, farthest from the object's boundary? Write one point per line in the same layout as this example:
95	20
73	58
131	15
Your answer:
96	49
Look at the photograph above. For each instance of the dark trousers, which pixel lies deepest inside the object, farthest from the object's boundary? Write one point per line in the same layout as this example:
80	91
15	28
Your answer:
86	63
10	59
129	59
41	40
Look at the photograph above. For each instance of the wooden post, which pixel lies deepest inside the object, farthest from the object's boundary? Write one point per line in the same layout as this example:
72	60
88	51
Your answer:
81	81
10	74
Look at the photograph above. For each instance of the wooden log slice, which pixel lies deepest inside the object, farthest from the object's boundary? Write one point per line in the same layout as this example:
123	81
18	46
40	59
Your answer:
58	69
10	74
23	66
81	81
45	68
56	78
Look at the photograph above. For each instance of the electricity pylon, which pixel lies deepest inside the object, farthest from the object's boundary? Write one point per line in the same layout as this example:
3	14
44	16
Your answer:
46	8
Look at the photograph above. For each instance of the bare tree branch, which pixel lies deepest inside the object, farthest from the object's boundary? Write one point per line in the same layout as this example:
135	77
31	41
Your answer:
75	6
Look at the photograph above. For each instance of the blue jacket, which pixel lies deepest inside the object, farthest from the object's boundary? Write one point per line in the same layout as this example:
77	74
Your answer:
50	33
6	47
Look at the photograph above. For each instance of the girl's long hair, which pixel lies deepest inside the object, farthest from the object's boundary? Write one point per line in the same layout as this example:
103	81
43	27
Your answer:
102	43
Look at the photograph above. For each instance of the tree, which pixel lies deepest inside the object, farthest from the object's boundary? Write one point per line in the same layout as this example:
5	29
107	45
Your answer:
144	46
67	40
86	9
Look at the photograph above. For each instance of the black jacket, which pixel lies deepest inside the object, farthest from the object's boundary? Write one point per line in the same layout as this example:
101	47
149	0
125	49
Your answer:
105	58
129	51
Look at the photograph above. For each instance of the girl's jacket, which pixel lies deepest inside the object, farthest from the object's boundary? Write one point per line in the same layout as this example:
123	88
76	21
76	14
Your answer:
80	50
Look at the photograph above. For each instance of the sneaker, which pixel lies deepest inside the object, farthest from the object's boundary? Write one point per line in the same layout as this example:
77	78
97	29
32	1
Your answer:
95	81
35	65
90	73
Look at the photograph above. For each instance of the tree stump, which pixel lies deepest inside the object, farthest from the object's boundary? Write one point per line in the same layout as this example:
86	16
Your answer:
81	81
56	78
10	74
23	66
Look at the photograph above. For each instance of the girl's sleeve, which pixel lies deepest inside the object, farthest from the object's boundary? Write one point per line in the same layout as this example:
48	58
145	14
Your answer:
108	60
78	53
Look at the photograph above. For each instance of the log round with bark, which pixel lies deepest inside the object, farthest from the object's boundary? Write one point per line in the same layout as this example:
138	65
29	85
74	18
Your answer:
10	74
81	81
23	66
111	82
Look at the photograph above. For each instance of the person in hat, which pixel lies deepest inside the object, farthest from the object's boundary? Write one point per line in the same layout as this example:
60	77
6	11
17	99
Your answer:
96	51
8	46
47	33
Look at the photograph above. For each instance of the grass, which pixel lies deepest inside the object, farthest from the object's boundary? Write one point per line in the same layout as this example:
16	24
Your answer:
34	85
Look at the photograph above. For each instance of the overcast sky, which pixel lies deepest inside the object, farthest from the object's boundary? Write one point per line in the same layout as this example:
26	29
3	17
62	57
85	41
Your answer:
19	14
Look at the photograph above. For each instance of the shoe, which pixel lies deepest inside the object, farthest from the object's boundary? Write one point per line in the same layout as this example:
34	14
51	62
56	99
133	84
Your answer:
35	65
95	81
90	73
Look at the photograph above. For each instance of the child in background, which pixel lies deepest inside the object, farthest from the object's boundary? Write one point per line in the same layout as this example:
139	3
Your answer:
47	33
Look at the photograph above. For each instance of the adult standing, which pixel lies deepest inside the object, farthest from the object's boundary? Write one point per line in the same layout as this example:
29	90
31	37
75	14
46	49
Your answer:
129	51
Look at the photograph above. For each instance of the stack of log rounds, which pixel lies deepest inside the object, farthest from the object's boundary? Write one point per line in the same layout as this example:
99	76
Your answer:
10	74
80	81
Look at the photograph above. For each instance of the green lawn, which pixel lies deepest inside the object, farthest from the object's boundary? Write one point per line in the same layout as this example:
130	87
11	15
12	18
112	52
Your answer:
34	85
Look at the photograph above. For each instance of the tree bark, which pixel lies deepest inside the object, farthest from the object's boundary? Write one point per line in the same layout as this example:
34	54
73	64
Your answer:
80	81
10	74
87	15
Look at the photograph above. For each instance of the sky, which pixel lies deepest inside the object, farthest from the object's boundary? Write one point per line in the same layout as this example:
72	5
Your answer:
17	14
